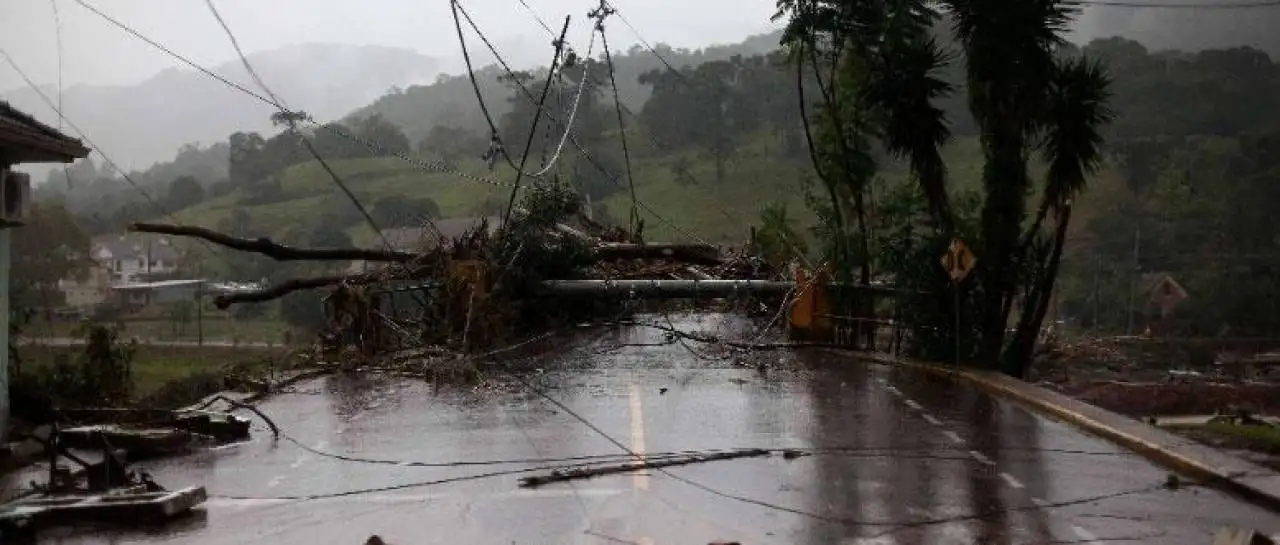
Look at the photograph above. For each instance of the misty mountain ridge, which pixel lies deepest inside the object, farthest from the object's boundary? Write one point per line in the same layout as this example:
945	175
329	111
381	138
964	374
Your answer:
142	124
450	100
1189	30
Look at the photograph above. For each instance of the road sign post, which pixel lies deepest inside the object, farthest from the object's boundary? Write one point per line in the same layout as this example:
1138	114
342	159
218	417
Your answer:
958	261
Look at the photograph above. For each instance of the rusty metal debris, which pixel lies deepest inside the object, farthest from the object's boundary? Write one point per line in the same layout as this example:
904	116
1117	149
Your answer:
134	504
146	433
103	491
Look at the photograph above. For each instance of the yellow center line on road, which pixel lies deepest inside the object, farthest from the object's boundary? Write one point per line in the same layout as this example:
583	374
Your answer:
640	480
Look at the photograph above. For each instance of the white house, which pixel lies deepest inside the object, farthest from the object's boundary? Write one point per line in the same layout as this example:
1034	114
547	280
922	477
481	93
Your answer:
130	258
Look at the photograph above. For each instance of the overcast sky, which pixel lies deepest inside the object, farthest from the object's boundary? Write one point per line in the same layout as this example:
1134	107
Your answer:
96	52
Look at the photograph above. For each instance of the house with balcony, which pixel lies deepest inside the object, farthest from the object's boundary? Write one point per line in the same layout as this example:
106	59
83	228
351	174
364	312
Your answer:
135	257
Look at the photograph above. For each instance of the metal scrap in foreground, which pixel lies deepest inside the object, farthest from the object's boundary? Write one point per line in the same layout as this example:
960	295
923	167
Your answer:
561	475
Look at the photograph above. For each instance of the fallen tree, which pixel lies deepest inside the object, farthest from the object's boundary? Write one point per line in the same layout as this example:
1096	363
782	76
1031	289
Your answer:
297	284
275	250
474	291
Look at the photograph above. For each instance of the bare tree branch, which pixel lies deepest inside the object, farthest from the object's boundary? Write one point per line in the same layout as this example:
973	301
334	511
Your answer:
276	251
296	284
698	254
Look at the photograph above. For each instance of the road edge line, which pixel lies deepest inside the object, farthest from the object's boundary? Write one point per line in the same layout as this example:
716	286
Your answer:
1162	455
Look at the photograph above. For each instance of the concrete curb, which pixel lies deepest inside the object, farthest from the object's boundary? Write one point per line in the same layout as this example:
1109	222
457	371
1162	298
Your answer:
1258	484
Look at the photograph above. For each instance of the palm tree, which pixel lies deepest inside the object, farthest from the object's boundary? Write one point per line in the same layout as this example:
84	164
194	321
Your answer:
875	69
1026	97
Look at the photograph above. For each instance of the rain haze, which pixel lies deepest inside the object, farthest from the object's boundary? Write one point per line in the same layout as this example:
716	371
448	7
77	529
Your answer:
400	272
97	53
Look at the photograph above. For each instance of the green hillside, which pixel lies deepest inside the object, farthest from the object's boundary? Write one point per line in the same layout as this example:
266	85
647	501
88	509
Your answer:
694	204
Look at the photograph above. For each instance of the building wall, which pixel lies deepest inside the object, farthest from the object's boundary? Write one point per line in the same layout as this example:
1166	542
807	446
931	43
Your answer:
90	292
5	235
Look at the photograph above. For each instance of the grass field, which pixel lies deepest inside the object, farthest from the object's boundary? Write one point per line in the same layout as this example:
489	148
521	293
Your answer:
217	329
156	366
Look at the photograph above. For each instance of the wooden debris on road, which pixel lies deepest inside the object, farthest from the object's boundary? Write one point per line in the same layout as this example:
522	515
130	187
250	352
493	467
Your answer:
139	443
576	473
129	505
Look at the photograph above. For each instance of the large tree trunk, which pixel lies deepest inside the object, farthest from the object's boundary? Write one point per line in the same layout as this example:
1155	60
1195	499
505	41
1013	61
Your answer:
864	327
1006	181
1017	358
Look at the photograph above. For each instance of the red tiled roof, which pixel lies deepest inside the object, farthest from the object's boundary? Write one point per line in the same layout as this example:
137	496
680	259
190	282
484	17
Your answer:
23	139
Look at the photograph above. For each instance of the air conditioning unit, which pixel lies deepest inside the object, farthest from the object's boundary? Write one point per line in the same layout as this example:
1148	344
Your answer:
15	197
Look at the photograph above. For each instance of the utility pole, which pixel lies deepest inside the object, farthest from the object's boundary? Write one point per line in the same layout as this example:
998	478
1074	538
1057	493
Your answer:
1097	291
1134	276
200	313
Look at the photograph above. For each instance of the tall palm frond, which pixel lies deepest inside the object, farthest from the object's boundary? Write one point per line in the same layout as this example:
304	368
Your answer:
1075	114
1009	50
905	89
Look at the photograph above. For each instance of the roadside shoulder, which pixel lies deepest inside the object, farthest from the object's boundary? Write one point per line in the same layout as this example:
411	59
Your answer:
1252	481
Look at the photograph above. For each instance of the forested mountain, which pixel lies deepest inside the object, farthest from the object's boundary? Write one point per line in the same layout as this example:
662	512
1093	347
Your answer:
451	102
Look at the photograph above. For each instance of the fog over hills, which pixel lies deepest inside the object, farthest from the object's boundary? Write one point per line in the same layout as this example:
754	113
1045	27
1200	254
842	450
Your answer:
1185	29
138	125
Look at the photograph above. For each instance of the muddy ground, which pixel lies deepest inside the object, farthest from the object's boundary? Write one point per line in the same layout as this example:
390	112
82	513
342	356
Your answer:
1146	378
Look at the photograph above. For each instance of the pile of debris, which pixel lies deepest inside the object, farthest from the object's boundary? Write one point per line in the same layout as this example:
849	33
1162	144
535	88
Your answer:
479	290
697	263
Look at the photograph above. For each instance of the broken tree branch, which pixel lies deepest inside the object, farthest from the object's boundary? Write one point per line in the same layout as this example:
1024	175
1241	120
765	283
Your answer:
712	339
697	254
296	284
274	250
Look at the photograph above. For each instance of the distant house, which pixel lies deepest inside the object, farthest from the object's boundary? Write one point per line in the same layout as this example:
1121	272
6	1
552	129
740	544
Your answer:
424	239
88	291
1160	294
135	257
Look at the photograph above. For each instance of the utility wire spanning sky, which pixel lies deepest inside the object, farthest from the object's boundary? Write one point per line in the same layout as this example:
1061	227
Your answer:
97	53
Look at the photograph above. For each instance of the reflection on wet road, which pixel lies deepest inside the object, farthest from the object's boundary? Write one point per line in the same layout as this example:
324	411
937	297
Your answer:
897	457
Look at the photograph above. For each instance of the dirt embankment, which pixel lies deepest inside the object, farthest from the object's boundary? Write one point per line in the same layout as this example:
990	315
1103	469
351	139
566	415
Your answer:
1145	379
1177	398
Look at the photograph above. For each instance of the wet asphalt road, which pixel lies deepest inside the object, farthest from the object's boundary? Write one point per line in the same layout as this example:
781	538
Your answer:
899	458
